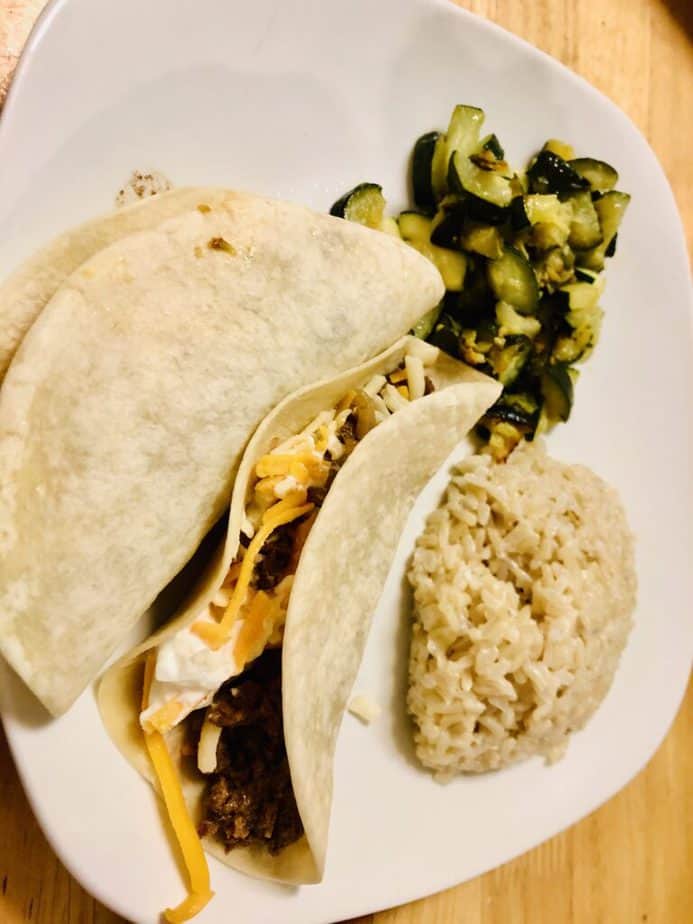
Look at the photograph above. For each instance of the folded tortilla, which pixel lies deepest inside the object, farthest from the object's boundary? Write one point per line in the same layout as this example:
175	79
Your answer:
335	589
125	411
25	294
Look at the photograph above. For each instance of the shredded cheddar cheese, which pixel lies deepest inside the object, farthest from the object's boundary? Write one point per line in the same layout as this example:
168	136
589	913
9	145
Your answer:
399	375
265	488
303	466
278	515
165	718
256	629
322	436
183	826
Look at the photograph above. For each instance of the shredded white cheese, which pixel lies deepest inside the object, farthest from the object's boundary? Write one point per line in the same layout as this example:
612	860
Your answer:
393	399
364	708
416	378
373	386
207	747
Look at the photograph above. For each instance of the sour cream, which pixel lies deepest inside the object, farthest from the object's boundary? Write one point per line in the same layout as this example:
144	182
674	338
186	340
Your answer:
188	672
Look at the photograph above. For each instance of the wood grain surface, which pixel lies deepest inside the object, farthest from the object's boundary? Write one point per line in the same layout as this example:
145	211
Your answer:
631	862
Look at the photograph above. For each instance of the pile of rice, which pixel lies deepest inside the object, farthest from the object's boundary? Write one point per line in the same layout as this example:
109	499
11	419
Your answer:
524	585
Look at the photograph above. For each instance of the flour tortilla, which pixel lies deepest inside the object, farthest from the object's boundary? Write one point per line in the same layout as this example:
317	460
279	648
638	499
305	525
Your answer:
126	409
25	294
336	588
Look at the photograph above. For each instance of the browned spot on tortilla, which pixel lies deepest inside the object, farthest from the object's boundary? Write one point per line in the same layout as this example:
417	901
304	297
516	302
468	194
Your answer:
203	208
218	243
198	250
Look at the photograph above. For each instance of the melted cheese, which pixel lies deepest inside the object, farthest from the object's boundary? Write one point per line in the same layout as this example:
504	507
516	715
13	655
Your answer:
181	822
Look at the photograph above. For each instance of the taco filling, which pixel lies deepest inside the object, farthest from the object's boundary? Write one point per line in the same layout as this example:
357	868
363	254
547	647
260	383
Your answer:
218	681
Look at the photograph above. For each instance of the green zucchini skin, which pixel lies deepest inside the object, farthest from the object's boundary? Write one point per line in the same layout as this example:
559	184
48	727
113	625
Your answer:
465	177
601	176
549	173
341	206
610	208
557	390
425	325
518	215
512	280
493	145
422	171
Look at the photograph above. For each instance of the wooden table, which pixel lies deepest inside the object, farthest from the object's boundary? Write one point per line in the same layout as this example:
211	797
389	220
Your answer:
631	862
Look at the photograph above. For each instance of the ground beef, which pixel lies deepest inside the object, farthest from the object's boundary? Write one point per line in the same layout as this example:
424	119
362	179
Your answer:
249	799
274	559
347	435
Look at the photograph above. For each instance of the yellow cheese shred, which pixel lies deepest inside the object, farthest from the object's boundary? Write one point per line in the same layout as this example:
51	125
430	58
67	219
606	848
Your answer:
165	718
303	466
399	375
183	826
256	629
215	635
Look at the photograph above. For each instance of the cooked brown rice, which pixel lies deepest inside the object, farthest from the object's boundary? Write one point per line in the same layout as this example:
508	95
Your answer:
524	585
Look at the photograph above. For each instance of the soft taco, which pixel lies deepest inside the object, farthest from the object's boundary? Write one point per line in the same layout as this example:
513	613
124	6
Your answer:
237	735
125	410
25	293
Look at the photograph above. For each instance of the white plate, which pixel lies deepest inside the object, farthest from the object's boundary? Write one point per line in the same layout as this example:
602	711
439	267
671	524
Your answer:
303	99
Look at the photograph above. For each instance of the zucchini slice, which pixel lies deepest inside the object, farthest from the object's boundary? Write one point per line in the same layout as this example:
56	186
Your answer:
463	131
422	169
446	230
557	389
465	177
364	204
484	211
582	296
509	361
476	301
610	209
446	334
585	230
560	148
482	239
586	324
439	168
550	219
549	173
512	324
554	268
492	144
512	280
452	265
601	176
585	275
512	418
415	227
426	323
447	227
519	220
